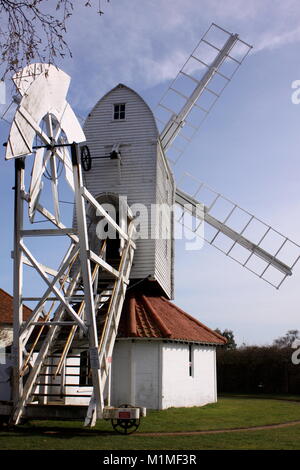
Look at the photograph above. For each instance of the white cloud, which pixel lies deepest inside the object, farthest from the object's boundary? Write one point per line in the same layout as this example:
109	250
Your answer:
143	44
271	40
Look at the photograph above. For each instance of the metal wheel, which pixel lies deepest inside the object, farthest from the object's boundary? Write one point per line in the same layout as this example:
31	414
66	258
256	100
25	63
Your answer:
123	425
86	160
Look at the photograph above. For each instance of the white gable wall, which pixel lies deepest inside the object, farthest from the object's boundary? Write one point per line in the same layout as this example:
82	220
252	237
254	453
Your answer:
121	374
181	389
155	374
135	373
147	368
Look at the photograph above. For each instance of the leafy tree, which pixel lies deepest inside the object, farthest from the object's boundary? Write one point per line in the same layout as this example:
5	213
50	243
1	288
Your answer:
257	369
34	30
287	340
228	334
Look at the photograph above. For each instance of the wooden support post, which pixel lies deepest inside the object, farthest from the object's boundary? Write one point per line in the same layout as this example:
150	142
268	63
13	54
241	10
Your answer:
87	286
17	356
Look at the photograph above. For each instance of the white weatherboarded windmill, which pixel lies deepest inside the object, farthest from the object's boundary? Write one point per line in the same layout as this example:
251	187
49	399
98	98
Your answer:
125	192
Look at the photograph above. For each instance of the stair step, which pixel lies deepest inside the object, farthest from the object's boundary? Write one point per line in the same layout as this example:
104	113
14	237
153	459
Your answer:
60	395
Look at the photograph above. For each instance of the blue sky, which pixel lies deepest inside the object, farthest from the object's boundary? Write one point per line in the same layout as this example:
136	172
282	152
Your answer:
247	149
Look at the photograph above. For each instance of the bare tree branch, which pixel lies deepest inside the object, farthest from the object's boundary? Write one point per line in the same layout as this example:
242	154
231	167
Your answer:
30	31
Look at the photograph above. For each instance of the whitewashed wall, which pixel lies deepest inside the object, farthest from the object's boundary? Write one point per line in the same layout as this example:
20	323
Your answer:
178	388
135	373
5	376
78	390
6	337
122	380
140	176
155	374
71	384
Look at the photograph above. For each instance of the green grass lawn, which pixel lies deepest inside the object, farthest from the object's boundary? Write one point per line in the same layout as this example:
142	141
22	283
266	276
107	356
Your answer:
226	414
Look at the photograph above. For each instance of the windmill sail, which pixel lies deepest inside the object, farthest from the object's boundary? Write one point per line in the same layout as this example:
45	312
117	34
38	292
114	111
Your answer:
197	87
239	234
180	113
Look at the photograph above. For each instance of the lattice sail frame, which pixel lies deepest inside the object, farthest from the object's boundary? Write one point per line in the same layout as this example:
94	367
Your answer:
180	113
236	232
198	85
64	287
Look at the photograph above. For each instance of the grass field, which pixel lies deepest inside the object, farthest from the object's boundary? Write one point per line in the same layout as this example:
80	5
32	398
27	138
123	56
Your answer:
228	413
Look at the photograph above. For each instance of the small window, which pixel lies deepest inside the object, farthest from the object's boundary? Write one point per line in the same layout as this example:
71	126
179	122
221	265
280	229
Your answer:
191	361
119	111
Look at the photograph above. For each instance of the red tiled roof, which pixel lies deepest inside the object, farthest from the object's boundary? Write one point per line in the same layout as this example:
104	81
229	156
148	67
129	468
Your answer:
6	308
156	317
142	317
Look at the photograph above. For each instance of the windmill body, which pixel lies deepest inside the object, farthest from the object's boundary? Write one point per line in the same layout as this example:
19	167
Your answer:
140	175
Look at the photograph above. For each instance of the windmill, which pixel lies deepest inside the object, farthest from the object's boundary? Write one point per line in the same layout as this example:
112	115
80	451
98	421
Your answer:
126	174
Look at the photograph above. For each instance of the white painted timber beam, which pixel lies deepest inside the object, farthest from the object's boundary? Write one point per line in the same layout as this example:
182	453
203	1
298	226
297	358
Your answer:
190	204
176	122
88	197
96	259
61	297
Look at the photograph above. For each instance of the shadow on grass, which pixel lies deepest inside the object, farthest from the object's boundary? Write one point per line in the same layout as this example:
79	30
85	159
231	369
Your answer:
55	431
